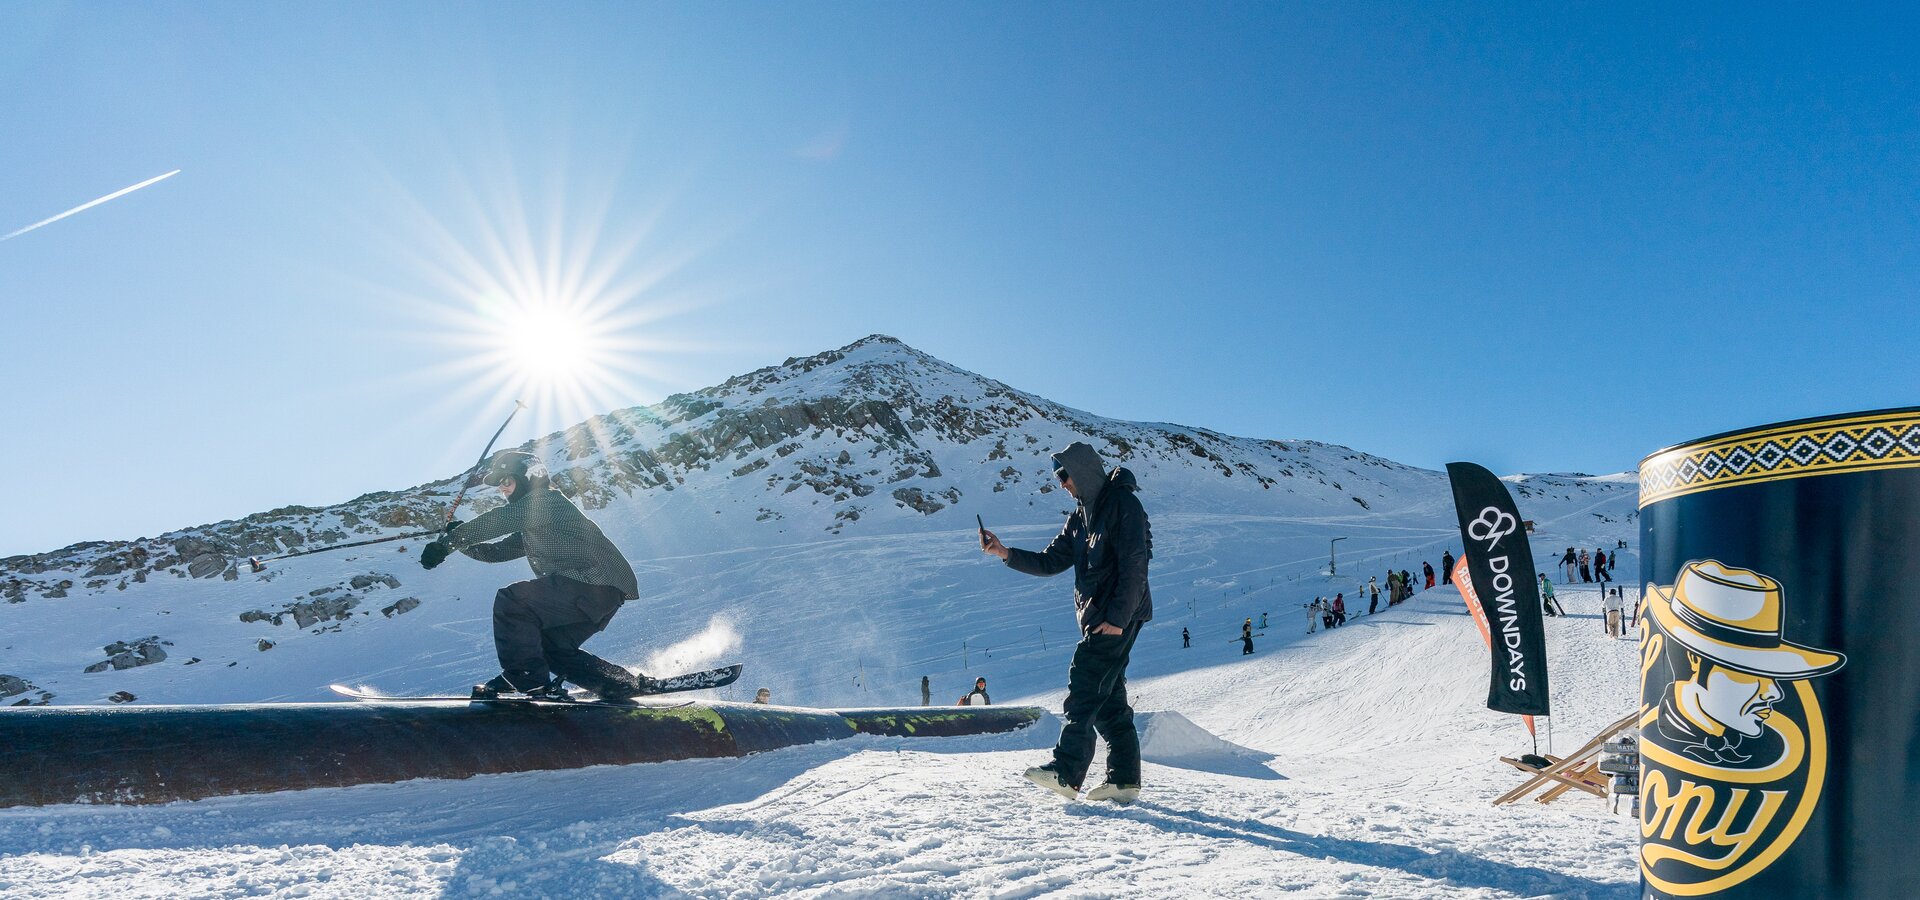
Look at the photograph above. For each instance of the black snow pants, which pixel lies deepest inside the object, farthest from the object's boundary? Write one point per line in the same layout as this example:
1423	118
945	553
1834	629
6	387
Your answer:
1097	701
539	625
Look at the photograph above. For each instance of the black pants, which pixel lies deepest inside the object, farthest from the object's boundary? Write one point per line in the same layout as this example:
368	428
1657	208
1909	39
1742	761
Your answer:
539	625
1097	701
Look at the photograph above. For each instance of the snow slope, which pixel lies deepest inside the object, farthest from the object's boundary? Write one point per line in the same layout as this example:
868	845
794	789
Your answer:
1360	763
815	520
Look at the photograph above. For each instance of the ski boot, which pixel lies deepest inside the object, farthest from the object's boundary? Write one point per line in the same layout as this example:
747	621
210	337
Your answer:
532	685
1049	777
608	681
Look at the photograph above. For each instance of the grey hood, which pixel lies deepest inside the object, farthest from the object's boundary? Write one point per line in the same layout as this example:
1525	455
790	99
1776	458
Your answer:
1089	473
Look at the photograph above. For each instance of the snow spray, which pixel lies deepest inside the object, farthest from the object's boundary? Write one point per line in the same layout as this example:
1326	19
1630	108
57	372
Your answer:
1780	661
707	648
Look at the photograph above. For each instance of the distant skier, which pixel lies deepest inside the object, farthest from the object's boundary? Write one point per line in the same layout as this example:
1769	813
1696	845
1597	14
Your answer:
1446	567
1571	563
1263	621
581	581
1547	602
1615	607
1313	615
1602	567
1427	567
1373	595
1406	584
926	691
1586	576
1107	542
1186	640
1339	610
1246	638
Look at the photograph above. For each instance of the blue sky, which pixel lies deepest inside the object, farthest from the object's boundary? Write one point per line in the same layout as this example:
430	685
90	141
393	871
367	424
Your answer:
1545	239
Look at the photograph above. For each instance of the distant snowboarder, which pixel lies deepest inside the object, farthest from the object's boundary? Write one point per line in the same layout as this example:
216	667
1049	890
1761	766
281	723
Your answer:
1263	621
1446	567
581	581
978	696
1186	640
1339	610
1427	567
1107	543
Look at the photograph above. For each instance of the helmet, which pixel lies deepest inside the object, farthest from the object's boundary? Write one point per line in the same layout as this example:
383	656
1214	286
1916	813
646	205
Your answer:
509	464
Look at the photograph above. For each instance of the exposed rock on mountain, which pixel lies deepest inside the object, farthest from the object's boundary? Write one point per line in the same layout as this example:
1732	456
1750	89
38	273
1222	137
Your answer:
132	654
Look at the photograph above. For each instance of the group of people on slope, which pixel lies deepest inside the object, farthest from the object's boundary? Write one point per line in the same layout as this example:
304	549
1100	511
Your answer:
1588	567
1331	613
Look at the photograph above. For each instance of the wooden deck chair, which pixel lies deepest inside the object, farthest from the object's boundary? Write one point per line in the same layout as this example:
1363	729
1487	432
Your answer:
1577	771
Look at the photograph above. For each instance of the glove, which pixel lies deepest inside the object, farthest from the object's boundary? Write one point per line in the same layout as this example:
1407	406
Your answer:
451	525
434	554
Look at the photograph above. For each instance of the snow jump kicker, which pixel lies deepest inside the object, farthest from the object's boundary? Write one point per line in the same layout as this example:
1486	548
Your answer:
157	754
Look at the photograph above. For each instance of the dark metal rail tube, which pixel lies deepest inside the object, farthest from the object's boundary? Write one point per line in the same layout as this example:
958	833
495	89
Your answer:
156	754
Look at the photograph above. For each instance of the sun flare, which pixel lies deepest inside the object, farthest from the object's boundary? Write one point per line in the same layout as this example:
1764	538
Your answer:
550	344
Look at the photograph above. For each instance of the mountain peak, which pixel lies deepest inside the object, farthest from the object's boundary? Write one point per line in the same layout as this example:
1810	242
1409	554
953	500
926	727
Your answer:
878	339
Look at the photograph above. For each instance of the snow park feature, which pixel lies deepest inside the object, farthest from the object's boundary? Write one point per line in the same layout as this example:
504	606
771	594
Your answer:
816	521
1780	645
156	754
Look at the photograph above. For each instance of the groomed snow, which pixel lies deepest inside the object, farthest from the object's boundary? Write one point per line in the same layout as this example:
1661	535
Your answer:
1353	763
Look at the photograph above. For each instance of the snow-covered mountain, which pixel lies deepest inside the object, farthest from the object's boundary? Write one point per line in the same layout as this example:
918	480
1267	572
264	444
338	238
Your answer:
814	518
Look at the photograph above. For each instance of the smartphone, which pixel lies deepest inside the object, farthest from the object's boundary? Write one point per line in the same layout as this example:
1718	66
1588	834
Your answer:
983	529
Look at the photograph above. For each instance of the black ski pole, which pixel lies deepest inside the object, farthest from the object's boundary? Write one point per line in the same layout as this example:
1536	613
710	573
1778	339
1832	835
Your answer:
257	563
474	473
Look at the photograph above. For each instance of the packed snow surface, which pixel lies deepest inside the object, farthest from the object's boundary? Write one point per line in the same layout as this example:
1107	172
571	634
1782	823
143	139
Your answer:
1353	763
839	563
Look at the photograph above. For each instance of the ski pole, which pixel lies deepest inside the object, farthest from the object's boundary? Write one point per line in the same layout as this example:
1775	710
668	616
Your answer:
258	563
471	473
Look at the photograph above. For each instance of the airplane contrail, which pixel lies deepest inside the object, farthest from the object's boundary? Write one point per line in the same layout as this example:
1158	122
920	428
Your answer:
89	205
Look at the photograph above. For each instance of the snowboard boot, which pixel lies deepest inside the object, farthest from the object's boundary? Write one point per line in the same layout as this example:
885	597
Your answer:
1048	777
1122	794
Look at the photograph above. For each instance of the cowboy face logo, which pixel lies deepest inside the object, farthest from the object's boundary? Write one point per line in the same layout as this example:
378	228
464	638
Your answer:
1734	746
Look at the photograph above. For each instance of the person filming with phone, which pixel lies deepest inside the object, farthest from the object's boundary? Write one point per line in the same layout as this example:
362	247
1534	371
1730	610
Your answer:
1107	543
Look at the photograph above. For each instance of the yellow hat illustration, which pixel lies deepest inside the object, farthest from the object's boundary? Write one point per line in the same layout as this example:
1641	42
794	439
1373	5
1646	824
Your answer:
1732	616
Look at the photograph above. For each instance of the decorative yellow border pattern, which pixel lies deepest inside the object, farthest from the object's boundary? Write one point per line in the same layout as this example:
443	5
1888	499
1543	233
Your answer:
1889	440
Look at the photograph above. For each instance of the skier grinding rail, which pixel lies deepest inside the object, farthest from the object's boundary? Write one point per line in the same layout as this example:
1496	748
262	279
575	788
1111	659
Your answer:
581	580
1107	543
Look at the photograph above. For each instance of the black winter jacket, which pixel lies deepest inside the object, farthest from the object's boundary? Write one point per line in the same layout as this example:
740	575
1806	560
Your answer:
1108	558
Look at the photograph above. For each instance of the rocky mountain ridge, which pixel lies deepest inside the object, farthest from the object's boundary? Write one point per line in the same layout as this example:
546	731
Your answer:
873	428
